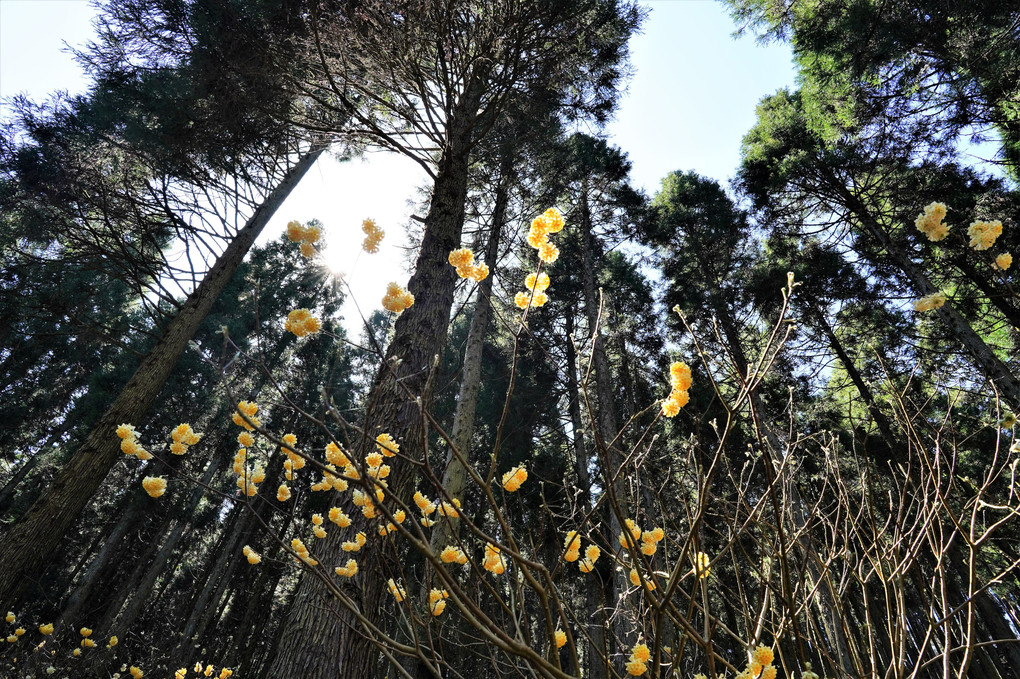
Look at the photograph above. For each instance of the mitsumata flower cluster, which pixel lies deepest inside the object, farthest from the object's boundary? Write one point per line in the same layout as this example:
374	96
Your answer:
373	236
307	236
680	381
463	260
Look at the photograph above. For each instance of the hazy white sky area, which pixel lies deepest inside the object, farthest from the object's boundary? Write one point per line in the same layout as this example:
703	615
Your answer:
690	101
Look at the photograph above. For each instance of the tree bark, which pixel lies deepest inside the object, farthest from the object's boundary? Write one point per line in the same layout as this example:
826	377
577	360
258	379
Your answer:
319	639
27	546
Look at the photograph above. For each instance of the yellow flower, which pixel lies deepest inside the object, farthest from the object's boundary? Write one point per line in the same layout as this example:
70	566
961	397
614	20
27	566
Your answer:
319	532
537	282
19	632
763	655
374	236
283	493
1004	261
494	561
113	641
302	323
10	617
930	223
561	638
180	674
397	299
336	455
572	543
983	234
437	601
635	668
208	671
648	548
522	299
928	303
88	643
654	535
307	250
248	409
548	252
513	479
640	653
701	567
451	554
127	431
136	672
396	590
387	445
46	629
76	652
769	672
339	518
155	486
85	632
226	673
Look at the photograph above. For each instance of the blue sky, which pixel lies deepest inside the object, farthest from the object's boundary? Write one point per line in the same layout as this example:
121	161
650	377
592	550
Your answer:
690	101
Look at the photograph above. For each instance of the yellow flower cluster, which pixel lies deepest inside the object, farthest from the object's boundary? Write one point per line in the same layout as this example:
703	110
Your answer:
930	223
129	442
701	568
426	506
493	561
336	455
591	555
639	656
306	235
449	510
390	527
631	534
249	409
349	570
154	485
183	436
250	554
302	552
635	580
301	322
386	445
551	221
136	672
930	302
983	234
537	284
396	590
452	554
10	617
464	261
282	493
760	665
560	638
373	236
513	479
355	545
572	543
437	601
650	540
245	439
397	299
46	629
1004	261
113	641
680	381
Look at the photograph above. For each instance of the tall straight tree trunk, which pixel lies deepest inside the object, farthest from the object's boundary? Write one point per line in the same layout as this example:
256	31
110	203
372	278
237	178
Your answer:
27	546
605	433
455	474
994	369
320	640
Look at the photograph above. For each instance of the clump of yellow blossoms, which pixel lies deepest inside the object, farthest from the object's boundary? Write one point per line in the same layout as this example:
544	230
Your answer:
183	436
464	261
397	299
930	223
249	409
339	518
1004	261
437	601
373	236
348	571
85	632
537	284
560	638
181	673
680	381
113	641
635	580
250	554
631	534
283	493
137	672
386	445
46	629
451	554
513	479
301	322
155	486
302	552
760	665
639	656
10	617
572	543
701	568
494	561
551	221
650	539
129	442
591	555
983	234
306	235
930	302
355	545
396	590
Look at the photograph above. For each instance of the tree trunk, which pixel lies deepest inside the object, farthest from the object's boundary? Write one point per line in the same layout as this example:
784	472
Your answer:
455	475
28	545
319	640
